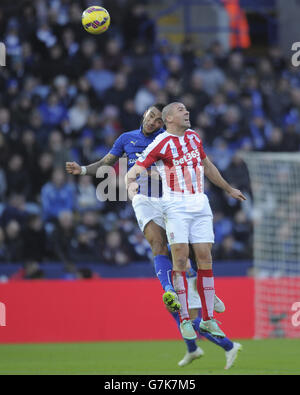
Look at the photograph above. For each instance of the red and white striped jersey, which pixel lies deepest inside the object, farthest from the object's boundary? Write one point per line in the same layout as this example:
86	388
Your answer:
179	162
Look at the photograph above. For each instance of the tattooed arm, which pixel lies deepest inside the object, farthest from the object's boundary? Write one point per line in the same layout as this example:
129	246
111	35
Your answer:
91	170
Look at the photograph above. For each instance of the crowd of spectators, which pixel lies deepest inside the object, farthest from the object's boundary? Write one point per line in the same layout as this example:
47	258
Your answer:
66	95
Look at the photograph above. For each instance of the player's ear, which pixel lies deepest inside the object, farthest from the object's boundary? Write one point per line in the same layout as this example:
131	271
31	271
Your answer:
169	118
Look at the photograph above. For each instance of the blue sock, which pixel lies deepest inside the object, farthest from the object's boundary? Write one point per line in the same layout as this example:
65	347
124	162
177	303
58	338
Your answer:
223	342
191	344
163	269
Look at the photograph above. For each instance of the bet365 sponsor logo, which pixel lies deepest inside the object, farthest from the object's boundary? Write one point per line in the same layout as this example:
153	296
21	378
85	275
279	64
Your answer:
187	157
296	315
2	54
2	314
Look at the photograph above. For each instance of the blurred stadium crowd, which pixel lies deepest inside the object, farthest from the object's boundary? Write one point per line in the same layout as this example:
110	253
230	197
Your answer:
66	95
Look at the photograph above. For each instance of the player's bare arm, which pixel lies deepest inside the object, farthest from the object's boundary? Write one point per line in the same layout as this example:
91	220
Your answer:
130	180
213	174
91	170
133	173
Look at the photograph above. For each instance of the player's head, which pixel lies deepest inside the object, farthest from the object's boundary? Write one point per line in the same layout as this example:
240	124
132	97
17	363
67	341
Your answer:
152	120
176	115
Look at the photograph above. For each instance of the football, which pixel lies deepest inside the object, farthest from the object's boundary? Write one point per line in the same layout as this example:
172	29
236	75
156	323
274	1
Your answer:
95	20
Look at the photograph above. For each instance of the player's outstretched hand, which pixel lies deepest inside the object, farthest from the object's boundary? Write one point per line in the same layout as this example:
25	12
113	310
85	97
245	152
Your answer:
237	194
73	168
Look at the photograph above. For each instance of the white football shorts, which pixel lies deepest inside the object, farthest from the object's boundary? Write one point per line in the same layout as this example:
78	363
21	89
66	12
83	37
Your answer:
148	209
188	219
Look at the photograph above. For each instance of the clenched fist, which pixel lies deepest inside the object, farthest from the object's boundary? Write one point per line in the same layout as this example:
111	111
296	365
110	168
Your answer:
73	168
133	190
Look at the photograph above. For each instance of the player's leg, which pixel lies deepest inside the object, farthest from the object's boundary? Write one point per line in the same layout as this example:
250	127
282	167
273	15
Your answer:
201	237
206	288
180	254
156	237
205	280
194	305
150	219
223	342
231	348
177	228
193	350
219	306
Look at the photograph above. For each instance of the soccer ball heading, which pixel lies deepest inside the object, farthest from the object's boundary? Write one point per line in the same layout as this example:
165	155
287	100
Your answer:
95	20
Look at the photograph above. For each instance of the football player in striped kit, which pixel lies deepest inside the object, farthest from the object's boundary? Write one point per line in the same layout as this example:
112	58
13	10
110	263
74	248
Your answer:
148	209
182	163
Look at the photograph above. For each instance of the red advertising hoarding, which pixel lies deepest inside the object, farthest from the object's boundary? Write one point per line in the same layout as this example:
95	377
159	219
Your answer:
109	309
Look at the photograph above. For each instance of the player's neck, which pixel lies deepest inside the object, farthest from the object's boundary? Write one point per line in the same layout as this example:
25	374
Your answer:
147	134
176	131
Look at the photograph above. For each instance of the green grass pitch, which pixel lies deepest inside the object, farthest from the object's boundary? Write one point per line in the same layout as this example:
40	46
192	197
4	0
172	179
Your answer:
259	357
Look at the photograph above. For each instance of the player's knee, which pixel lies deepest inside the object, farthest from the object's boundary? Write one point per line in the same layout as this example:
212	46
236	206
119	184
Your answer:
180	263
204	262
180	254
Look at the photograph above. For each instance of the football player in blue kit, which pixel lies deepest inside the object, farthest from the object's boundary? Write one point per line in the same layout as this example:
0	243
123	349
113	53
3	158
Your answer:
146	202
148	211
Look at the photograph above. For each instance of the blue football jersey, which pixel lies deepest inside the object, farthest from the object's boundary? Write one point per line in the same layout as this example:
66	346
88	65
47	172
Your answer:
132	144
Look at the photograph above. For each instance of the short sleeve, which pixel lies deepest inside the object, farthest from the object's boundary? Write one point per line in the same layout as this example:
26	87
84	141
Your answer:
202	152
150	155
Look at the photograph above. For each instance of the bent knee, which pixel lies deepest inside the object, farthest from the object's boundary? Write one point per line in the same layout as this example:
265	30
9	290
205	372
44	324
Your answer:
180	263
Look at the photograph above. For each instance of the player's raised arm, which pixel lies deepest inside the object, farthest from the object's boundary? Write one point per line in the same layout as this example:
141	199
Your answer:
110	159
213	174
91	170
